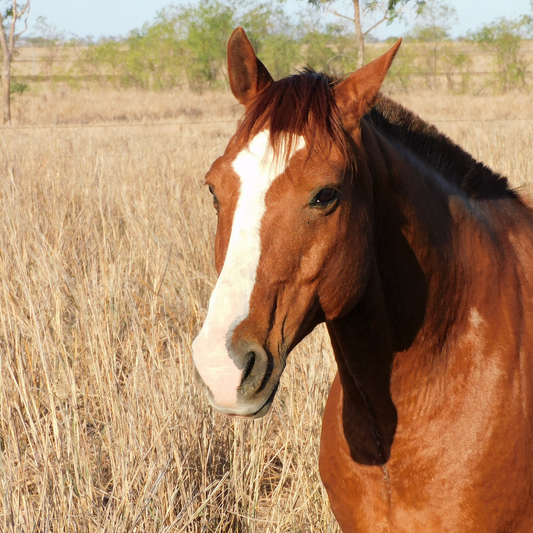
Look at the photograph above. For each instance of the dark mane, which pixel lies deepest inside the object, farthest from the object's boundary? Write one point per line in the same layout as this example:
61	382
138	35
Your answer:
301	104
457	166
304	103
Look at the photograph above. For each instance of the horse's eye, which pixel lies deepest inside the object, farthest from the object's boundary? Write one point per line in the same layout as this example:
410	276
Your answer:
325	197
215	199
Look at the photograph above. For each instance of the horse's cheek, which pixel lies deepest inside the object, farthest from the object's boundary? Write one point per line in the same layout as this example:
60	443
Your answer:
344	277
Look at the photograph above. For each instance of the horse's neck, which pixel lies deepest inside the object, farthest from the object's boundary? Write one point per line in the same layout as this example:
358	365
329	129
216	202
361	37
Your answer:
362	343
423	229
417	299
423	233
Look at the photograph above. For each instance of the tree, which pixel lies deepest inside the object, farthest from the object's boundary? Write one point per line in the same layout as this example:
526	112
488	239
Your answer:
205	29
330	50
274	37
433	28
387	10
52	39
8	38
504	39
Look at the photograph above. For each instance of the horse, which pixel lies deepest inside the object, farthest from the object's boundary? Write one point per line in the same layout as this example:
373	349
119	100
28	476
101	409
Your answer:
336	204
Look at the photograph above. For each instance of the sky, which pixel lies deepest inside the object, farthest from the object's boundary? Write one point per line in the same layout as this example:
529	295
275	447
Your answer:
117	17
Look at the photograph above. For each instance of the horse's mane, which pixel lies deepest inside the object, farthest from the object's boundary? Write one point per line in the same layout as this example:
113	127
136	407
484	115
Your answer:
457	166
304	103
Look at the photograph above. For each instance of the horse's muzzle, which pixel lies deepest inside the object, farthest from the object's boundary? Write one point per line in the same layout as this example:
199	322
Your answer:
258	385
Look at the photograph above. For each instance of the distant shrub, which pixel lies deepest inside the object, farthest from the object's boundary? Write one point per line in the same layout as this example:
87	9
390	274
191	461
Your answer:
433	29
504	39
400	75
332	51
456	66
150	58
18	88
187	45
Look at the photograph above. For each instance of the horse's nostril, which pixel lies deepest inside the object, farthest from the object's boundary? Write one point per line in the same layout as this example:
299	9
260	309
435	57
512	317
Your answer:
249	366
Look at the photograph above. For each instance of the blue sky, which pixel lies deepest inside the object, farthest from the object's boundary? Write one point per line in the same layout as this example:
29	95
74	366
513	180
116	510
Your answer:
117	17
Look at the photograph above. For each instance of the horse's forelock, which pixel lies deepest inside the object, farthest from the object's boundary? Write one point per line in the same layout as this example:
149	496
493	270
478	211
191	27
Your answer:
302	105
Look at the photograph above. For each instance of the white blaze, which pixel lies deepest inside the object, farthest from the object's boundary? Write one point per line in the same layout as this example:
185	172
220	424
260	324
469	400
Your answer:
229	305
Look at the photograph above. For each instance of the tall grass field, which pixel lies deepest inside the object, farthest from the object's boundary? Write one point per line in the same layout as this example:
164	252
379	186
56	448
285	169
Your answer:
106	267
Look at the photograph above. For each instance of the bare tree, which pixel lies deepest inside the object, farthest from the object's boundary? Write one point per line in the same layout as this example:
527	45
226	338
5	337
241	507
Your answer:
52	39
8	38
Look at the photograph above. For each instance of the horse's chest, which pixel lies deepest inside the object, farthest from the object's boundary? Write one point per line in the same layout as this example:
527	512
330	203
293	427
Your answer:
458	479
359	494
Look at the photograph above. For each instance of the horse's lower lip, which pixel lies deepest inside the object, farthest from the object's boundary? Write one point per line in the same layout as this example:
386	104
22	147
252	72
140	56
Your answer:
262	411
266	406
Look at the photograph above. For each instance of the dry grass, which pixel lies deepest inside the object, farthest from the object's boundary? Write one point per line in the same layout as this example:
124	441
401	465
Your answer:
93	105
106	268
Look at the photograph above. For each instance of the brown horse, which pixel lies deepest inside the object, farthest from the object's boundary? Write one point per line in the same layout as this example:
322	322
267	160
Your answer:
336	204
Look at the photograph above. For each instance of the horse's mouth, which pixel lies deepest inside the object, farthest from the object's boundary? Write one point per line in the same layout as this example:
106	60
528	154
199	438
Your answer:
266	406
262	411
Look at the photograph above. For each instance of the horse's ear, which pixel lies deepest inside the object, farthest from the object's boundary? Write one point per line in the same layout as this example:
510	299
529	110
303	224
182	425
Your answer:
247	75
356	95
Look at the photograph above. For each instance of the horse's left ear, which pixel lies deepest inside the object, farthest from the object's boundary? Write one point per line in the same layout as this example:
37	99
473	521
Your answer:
247	75
355	96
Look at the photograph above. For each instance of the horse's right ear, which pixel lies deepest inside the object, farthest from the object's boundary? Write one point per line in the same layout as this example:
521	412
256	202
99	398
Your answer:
247	75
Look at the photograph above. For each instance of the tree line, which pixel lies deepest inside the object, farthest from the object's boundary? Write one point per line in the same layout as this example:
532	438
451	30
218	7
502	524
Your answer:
186	46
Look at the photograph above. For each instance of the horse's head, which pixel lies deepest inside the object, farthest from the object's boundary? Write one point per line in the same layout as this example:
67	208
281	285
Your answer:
294	237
